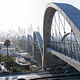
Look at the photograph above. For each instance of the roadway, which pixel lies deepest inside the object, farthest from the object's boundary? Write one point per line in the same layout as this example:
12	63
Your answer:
43	75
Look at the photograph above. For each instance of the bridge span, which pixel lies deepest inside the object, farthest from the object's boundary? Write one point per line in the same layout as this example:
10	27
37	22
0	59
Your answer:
61	35
59	46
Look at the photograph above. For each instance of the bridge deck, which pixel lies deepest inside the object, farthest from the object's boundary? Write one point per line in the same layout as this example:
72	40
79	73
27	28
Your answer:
42	76
28	76
70	61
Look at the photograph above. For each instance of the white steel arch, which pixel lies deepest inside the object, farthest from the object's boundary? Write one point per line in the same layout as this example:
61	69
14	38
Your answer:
72	16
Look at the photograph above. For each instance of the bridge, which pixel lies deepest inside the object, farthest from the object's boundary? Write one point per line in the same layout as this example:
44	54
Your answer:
59	43
61	36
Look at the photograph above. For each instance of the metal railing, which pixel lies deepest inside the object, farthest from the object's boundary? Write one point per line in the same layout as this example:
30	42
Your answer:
70	49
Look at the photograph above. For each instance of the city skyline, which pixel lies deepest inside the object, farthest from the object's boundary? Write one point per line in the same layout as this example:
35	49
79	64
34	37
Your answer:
23	13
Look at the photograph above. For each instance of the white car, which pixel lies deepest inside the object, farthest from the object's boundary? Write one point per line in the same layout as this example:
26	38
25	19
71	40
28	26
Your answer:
2	67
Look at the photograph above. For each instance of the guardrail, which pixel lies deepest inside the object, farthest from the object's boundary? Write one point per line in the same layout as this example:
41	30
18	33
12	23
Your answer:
70	49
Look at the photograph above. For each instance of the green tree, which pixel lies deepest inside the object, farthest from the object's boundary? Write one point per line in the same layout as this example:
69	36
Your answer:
7	44
0	57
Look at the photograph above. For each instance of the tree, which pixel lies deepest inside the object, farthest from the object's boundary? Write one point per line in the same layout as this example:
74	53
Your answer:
0	57
7	44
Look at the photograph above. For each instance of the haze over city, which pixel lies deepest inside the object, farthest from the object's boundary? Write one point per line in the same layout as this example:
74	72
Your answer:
39	39
24	13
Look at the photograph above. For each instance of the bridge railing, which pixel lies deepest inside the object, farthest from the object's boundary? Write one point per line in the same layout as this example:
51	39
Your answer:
70	49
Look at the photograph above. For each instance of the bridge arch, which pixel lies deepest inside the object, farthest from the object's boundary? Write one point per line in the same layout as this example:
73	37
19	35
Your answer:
38	49
72	16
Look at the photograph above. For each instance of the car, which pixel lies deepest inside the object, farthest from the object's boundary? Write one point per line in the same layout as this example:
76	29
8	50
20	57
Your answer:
3	69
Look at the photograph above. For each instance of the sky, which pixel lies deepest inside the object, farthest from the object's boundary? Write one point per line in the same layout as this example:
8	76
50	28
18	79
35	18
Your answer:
19	13
25	13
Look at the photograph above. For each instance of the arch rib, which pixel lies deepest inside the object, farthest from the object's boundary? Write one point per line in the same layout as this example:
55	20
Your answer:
72	16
